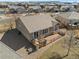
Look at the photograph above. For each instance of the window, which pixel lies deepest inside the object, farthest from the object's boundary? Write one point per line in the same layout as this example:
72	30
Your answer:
51	29
32	35
45	31
35	34
75	23
56	27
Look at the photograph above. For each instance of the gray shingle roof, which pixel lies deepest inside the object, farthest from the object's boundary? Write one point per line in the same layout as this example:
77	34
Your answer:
35	7
38	22
70	15
16	7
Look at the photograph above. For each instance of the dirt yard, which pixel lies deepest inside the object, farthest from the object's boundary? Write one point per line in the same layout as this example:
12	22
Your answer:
61	48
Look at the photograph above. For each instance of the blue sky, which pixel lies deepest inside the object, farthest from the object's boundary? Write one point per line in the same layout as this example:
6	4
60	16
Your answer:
44	0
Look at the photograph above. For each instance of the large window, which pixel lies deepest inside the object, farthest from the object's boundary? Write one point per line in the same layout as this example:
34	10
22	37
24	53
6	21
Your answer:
56	27
51	29
35	34
45	31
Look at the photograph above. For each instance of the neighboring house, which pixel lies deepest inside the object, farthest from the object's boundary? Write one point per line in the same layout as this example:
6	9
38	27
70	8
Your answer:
26	6
72	8
17	9
67	8
35	26
7	53
35	9
77	7
56	9
48	8
64	8
69	19
2	11
3	5
51	8
3	8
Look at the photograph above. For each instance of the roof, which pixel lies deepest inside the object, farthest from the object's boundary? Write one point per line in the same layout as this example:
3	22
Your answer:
74	15
70	15
35	7
7	53
16	7
38	22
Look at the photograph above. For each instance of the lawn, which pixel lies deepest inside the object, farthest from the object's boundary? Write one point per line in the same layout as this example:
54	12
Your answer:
59	47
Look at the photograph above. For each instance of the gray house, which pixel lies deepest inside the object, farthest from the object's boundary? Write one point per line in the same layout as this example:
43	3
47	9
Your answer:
16	9
36	9
70	19
35	26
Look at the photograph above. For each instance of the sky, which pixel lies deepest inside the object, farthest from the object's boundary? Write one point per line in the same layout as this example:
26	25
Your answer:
42	0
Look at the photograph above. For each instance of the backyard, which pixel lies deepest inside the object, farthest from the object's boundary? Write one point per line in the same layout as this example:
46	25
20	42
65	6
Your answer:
61	48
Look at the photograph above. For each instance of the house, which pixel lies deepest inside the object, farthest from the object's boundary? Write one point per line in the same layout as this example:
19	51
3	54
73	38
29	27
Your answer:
36	8
2	11
35	26
69	19
16	9
64	8
51	8
3	8
77	7
67	7
3	5
7	53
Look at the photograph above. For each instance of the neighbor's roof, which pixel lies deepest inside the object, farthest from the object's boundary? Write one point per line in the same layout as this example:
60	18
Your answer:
70	15
74	15
7	53
35	7
15	7
38	22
